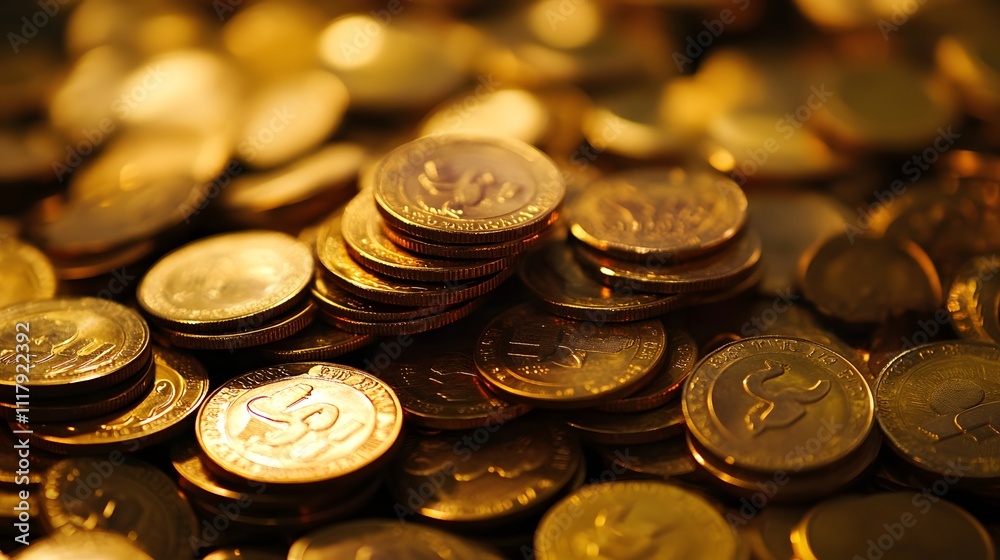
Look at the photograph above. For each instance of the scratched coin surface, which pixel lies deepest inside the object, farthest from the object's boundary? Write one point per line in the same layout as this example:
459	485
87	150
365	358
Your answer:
682	353
25	272
773	403
382	538
179	387
227	282
520	467
636	519
299	423
84	545
122	495
938	406
74	343
665	213
467	189
974	300
531	356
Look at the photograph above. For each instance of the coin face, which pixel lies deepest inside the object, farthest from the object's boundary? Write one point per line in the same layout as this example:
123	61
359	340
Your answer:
531	356
299	423
974	300
226	281
666	213
25	273
937	405
391	539
467	189
628	520
121	495
774	403
682	353
84	545
517	468
74	344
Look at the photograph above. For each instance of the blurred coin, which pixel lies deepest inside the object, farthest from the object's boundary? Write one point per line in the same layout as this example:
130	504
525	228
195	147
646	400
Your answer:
272	39
25	272
769	532
682	353
245	553
629	428
27	154
379	537
513	113
84	545
627	123
974	300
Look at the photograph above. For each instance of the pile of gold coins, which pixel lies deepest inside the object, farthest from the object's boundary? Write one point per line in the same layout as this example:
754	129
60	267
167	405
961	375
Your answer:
456	279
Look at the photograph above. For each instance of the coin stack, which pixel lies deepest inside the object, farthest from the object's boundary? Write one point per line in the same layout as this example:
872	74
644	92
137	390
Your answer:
440	228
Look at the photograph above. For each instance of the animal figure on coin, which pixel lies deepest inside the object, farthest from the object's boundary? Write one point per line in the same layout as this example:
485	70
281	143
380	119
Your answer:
777	409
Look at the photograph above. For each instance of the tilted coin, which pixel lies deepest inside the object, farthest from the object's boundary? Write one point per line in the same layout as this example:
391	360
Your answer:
119	494
663	459
74	345
253	332
84	545
974	300
628	519
467	189
25	273
93	265
764	403
380	537
938	404
627	428
530	356
227	282
299	423
661	213
318	341
682	353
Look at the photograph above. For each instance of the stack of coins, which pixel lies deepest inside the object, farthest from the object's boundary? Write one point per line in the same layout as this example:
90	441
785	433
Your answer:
440	228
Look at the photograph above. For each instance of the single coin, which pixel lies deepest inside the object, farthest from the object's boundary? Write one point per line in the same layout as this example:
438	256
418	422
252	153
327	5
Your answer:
628	519
682	353
896	525
768	533
258	331
337	302
391	539
668	214
74	346
368	245
520	468
433	318
84	545
351	276
122	495
863	280
755	402
663	459
484	251
299	423
25	273
514	113
318	341
439	386
938	404
227	282
92	265
180	386
468	189
629	428
974	300
719	270
531	356
562	287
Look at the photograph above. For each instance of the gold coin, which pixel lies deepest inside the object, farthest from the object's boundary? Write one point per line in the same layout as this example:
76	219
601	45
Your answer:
682	353
299	423
391	539
663	459
628	520
627	123
245	553
531	356
467	189
893	526
438	384
486	475
483	251
25	273
867	280
257	331
660	213
179	387
119	494
768	532
769	403
629	428
935	405
318	341
433	318
514	113
562	287
227	282
368	245
974	300
84	545
722	269
95	264
340	303
75	345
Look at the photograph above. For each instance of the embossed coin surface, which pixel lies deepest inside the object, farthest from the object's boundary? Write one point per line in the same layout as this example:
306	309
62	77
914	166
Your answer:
974	299
377	538
682	353
299	423
522	466
632	519
531	356
467	189
74	344
25	272
760	403
666	213
227	282
938	406
121	495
